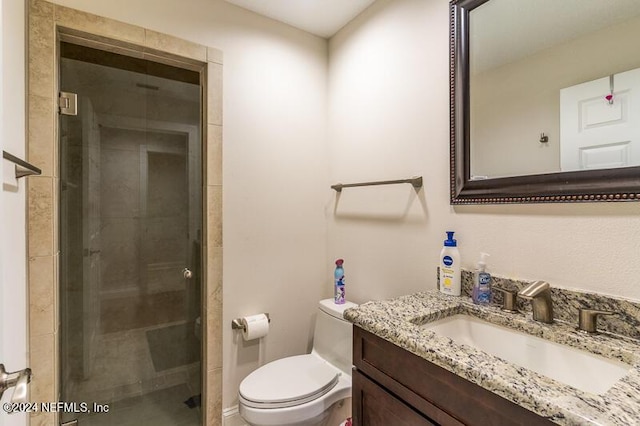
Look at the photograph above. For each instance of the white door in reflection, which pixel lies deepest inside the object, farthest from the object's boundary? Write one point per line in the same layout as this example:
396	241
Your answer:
599	131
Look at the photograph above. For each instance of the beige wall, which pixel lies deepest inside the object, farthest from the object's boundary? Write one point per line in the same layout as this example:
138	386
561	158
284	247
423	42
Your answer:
274	171
513	103
389	118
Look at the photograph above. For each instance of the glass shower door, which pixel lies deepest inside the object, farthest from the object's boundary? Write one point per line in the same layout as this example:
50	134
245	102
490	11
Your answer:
130	241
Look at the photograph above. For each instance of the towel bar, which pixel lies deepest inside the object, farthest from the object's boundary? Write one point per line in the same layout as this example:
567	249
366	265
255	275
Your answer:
22	167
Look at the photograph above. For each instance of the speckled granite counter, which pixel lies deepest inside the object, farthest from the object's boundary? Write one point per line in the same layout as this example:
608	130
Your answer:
399	321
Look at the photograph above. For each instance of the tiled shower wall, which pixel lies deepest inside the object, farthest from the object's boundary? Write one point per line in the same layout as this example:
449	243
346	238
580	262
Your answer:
46	22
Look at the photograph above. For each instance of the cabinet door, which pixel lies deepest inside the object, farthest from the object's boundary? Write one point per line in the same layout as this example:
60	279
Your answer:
373	406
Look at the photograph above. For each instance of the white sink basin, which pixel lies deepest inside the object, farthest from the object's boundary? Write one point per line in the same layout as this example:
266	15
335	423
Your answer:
574	367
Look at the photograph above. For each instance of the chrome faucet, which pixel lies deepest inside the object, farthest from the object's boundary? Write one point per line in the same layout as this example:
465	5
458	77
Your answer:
539	294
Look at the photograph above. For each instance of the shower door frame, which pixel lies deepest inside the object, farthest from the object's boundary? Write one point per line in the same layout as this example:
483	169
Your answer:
48	24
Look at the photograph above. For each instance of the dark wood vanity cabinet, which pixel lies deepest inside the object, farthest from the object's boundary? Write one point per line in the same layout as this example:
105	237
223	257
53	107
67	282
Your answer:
376	406
392	386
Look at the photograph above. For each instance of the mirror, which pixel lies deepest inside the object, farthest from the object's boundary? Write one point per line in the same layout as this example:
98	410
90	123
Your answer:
545	101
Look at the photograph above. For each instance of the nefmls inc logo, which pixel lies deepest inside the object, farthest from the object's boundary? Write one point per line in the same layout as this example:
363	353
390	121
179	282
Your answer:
447	260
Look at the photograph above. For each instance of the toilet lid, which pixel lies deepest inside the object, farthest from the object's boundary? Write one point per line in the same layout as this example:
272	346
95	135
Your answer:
288	381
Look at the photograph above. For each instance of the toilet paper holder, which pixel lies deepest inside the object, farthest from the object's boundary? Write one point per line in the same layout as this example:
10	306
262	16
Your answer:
236	324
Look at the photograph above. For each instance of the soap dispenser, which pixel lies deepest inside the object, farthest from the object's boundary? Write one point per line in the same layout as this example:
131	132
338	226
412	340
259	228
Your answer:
481	282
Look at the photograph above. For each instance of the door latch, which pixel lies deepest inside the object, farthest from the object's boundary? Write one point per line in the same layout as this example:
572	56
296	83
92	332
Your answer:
17	379
186	272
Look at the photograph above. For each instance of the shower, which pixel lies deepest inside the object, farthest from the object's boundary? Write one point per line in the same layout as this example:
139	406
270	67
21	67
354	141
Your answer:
131	232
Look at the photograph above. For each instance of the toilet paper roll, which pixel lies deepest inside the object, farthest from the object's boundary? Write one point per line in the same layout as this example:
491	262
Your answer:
255	326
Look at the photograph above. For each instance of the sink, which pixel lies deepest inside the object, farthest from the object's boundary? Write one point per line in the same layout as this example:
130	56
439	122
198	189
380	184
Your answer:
580	369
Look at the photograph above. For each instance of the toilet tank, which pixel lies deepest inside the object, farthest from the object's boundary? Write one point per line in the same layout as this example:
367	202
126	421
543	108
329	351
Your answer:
332	338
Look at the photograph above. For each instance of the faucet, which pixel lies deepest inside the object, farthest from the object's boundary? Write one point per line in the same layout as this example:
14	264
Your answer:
587	319
508	299
539	293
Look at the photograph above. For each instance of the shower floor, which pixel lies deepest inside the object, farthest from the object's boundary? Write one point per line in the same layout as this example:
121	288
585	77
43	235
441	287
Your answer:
160	408
124	375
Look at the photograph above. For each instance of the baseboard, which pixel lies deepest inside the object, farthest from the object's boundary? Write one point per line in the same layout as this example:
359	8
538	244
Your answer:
231	417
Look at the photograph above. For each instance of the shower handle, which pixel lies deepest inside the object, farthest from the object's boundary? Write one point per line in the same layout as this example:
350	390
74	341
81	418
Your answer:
187	273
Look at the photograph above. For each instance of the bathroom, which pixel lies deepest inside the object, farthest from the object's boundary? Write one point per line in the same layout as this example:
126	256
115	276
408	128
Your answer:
302	112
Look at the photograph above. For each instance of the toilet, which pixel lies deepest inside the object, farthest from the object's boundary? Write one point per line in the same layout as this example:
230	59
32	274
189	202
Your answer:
305	390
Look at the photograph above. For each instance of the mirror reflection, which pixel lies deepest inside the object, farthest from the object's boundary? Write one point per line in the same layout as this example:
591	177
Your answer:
554	86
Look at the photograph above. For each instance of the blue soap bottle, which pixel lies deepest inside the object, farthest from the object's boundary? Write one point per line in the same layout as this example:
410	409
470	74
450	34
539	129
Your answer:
338	288
481	294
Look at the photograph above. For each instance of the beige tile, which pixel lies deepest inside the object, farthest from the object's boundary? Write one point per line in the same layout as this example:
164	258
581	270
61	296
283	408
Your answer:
194	378
56	293
42	363
41	296
214	339
98	25
41	202
214	397
41	143
214	216
214	55
214	275
41	56
177	46
56	364
56	216
40	216
43	419
120	257
214	90
214	155
119	182
214	308
41	8
56	136
164	239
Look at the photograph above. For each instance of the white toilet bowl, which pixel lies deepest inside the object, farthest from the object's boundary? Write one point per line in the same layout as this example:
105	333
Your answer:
304	390
295	391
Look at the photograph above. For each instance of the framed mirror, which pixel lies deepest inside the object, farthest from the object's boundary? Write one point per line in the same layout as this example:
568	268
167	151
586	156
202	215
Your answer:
545	101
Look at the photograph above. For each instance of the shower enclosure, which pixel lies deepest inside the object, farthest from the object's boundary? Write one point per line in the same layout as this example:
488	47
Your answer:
130	240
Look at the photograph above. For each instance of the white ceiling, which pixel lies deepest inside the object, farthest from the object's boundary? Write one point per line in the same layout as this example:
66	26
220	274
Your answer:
320	17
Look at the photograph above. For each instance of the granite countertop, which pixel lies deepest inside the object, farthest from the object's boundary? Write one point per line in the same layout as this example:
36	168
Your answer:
399	321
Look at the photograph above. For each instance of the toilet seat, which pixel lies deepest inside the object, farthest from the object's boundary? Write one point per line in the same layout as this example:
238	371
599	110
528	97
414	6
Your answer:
288	382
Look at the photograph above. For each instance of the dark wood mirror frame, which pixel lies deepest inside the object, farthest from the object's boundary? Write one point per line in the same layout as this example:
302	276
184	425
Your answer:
621	184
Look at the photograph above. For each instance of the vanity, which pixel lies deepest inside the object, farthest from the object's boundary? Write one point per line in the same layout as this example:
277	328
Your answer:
407	372
392	386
